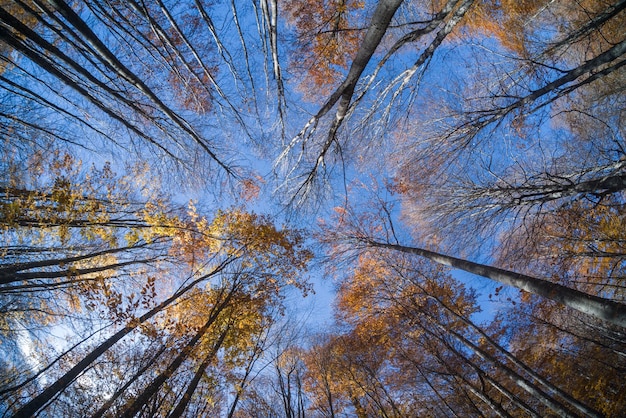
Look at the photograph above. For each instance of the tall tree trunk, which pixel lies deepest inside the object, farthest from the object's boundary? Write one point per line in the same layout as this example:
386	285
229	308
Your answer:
493	405
554	188
71	272
49	61
596	306
582	408
7	269
595	67
509	395
385	9
520	381
193	385
108	58
379	23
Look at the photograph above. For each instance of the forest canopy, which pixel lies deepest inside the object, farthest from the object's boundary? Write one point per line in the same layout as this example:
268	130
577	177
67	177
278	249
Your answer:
179	179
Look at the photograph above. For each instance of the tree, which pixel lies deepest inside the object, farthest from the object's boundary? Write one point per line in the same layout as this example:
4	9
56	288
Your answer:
79	247
186	351
274	384
327	35
580	244
78	228
517	146
300	181
571	343
529	142
102	54
351	233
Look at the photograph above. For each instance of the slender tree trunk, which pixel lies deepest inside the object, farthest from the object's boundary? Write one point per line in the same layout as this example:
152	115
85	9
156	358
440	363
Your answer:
508	394
377	28
556	89
533	390
49	62
17	277
518	380
381	18
466	385
432	387
108	58
596	306
481	395
285	391
538	194
258	351
193	385
593	24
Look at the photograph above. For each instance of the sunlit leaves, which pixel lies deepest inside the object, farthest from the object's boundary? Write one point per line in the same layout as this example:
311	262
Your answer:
389	310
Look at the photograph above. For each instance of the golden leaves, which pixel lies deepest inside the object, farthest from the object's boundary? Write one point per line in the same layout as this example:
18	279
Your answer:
385	295
328	36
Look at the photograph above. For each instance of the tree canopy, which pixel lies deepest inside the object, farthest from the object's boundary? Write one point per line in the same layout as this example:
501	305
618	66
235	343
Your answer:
176	176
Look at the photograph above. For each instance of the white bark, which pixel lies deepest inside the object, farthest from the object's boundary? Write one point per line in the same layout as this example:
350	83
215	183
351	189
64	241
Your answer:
598	307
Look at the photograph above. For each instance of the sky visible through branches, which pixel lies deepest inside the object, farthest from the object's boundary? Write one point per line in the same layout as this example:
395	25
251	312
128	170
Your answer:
306	208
